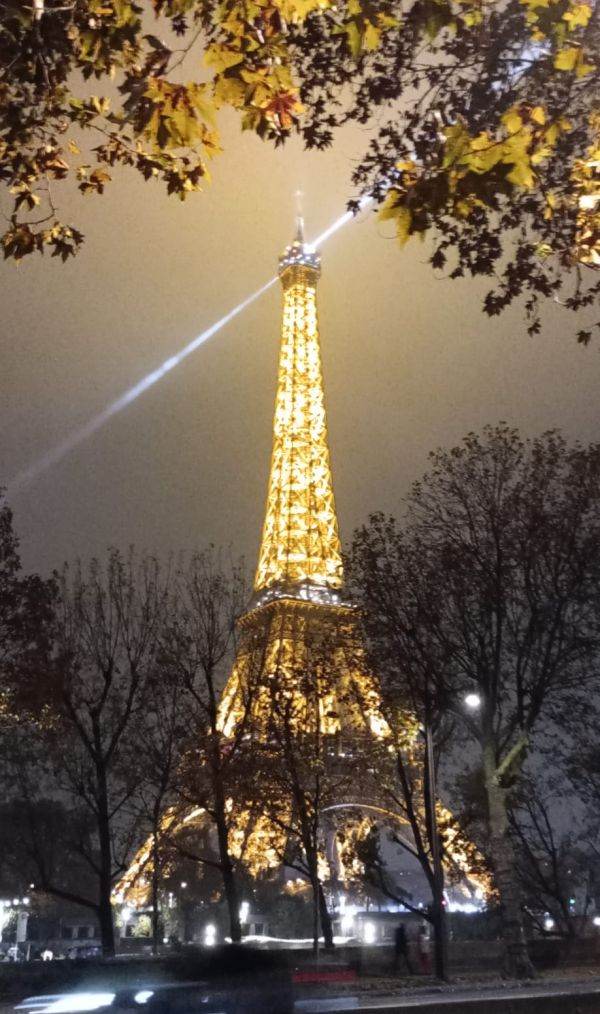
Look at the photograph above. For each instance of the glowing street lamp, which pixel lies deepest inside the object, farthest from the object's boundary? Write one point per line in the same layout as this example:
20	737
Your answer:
472	701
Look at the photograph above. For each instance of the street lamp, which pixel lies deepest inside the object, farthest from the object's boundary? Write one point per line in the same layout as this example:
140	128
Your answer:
126	914
473	702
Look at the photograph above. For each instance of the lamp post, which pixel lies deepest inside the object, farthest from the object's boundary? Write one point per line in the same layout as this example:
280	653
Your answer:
473	702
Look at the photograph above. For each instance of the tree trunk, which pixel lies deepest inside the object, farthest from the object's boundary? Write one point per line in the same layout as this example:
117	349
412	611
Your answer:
227	872
440	934
517	963
315	892
438	912
325	919
105	911
155	887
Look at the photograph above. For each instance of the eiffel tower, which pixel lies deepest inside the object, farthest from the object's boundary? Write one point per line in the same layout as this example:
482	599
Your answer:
298	594
298	587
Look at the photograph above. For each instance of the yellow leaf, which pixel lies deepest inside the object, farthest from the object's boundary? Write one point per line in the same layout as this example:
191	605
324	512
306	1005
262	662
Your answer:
458	143
73	148
353	37
538	115
298	10
220	58
463	208
229	91
389	207
584	68
540	154
371	36
577	16
566	59
521	175
512	121
486	154
403	224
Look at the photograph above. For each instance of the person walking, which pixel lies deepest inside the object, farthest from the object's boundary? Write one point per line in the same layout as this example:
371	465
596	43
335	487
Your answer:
424	949
401	949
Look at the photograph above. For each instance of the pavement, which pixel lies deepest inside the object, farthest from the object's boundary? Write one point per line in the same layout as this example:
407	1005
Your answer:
539	998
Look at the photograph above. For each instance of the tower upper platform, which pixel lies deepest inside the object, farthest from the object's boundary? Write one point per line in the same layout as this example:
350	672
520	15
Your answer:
300	554
299	255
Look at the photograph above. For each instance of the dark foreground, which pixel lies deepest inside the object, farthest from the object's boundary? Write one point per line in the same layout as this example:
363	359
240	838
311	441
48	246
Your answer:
232	980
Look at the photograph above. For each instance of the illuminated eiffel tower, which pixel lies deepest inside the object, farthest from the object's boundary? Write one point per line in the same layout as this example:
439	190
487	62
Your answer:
298	596
298	587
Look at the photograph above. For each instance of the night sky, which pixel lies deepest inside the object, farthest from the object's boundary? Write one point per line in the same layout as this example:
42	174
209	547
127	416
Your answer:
410	362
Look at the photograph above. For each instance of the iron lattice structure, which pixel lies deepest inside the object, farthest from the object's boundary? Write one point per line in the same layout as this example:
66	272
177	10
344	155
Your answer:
298	610
298	597
300	542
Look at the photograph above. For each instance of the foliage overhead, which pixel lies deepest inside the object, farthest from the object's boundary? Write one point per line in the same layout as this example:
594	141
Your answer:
483	117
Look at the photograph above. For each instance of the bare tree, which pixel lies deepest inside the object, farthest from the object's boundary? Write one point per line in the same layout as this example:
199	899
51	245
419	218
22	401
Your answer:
197	644
301	770
491	586
107	630
552	860
158	746
26	631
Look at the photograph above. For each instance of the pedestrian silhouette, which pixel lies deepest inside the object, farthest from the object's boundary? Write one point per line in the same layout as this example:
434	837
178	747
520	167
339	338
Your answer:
401	949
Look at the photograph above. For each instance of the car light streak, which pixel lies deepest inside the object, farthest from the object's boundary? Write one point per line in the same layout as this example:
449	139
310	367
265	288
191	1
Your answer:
66	1002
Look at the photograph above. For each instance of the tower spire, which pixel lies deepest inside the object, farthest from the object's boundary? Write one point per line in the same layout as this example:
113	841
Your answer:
299	237
300	553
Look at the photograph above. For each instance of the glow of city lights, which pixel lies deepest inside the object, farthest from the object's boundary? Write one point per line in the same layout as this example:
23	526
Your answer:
143	995
210	935
77	437
369	933
348	919
548	923
596	920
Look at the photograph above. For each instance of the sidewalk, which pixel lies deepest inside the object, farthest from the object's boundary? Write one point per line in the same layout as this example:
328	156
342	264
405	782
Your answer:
557	993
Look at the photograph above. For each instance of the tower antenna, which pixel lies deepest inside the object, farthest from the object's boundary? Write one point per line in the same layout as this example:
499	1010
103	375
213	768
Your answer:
299	237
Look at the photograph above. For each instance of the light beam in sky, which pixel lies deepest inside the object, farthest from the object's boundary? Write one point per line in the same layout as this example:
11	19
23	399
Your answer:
60	451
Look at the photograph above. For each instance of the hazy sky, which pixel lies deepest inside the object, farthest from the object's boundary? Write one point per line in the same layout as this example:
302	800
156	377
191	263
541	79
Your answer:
410	362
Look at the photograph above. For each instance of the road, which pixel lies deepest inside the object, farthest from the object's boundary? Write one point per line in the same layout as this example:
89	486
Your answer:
559	997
